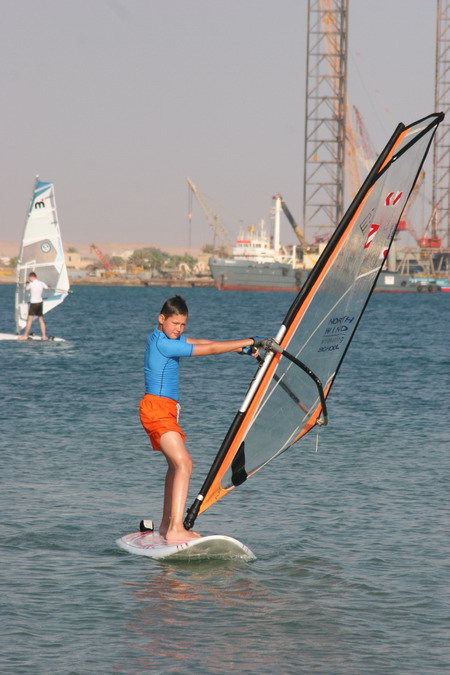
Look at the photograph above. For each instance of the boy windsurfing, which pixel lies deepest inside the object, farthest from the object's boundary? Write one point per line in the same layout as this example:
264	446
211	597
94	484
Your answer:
159	408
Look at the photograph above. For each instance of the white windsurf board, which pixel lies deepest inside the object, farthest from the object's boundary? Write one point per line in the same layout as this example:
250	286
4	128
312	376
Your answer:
36	338
212	547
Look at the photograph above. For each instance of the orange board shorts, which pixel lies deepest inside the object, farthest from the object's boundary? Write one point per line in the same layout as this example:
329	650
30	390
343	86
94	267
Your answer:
159	415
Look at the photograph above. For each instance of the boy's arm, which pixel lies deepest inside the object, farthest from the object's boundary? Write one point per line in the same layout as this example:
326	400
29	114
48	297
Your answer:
194	341
209	347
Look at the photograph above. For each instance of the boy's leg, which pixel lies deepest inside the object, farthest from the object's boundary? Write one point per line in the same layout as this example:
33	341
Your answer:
43	329
176	487
27	329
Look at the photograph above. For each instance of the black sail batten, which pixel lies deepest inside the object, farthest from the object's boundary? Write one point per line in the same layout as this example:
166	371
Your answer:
239	474
288	394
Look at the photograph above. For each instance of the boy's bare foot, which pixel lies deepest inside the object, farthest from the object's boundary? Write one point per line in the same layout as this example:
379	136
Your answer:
22	337
177	535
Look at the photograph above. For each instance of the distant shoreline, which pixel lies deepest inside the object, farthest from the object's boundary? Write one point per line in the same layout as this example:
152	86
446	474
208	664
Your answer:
11	248
161	282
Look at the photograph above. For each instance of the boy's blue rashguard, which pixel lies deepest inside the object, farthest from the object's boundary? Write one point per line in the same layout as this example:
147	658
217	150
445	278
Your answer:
161	363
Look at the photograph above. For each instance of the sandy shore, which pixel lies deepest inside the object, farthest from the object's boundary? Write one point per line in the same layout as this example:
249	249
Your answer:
202	282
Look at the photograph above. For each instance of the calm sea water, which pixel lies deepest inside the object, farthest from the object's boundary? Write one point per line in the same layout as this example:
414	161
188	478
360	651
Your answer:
352	537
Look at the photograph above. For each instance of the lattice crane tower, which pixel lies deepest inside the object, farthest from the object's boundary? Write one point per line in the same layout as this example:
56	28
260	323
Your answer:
441	155
325	132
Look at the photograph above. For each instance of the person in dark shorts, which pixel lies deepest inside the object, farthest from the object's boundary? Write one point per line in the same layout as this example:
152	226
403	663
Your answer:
36	289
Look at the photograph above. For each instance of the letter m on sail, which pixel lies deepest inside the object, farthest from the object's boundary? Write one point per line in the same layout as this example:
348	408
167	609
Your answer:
372	232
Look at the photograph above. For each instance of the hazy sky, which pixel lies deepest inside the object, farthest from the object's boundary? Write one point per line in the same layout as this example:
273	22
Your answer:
117	101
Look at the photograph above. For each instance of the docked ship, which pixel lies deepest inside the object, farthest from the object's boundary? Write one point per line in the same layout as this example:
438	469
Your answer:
260	263
414	271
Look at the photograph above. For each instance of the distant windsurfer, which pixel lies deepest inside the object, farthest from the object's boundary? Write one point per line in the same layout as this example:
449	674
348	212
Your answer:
159	408
36	288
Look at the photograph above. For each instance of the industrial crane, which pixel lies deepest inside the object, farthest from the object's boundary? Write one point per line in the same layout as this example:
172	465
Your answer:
290	217
101	256
212	218
424	241
367	154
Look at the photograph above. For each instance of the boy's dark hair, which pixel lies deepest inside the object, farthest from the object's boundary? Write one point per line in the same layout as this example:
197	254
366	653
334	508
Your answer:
33	274
175	305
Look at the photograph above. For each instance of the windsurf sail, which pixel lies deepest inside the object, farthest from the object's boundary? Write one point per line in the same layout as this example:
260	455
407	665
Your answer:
287	397
41	251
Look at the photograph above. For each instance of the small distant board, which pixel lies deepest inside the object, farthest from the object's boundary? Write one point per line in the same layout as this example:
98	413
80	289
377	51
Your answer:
36	338
213	547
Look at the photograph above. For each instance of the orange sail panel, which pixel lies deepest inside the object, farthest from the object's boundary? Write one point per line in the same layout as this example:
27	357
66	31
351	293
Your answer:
284	401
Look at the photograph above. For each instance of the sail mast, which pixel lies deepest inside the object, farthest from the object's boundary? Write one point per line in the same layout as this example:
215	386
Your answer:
20	279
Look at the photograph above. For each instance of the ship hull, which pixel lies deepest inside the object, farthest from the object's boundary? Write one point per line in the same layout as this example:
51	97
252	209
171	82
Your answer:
242	275
394	282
